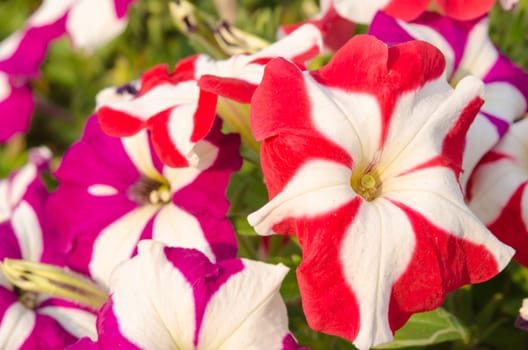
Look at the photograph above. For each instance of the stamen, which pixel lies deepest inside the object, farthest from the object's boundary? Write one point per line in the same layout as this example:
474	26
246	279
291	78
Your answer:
30	278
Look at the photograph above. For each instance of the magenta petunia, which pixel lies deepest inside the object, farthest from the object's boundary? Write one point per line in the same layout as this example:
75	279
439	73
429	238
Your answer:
363	169
468	51
29	320
113	192
88	23
175	298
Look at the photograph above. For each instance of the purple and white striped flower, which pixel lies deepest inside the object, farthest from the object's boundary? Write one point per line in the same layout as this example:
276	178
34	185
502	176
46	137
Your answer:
88	23
468	51
175	298
113	192
30	320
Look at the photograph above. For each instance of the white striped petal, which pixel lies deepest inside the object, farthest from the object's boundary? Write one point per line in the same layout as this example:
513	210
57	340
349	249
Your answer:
92	23
139	151
77	322
154	310
27	229
15	326
373	241
317	187
247	311
177	228
116	242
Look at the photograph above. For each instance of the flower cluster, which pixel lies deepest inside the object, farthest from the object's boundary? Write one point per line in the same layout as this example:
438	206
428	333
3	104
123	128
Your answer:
398	168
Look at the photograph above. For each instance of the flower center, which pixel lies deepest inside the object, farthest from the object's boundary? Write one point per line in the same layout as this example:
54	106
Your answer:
150	191
366	184
27	298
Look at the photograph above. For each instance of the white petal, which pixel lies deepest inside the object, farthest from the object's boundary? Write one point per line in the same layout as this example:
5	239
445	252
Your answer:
148	287
50	11
299	41
494	185
20	183
91	23
434	193
177	228
117	242
205	155
417	138
355	121
372	241
28	231
358	10
78	322
9	45
480	138
138	150
504	101
5	205
317	187
247	311
158	99
16	325
479	55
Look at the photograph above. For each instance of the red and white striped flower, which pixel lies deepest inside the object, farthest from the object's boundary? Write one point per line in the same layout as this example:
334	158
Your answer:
361	160
498	190
468	50
175	298
179	113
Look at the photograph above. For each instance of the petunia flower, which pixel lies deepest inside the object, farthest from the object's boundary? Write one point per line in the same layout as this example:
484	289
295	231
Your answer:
498	190
29	320
363	169
362	12
179	113
113	192
468	51
88	23
175	298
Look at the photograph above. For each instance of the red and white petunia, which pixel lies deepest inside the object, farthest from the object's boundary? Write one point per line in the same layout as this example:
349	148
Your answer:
29	320
361	160
468	51
175	298
498	190
112	192
363	12
89	24
179	113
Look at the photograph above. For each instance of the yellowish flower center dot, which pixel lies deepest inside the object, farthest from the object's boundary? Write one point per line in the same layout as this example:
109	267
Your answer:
367	185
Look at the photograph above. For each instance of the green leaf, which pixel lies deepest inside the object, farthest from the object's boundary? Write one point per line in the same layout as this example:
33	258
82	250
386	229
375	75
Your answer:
428	328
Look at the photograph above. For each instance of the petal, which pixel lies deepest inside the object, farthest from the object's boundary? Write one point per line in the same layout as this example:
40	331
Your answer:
258	320
148	282
116	242
465	9
93	23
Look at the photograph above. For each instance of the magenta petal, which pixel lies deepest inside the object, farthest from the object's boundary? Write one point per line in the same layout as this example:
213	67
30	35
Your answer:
15	111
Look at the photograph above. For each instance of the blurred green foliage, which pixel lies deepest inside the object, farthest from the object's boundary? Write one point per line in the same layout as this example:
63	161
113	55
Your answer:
65	92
